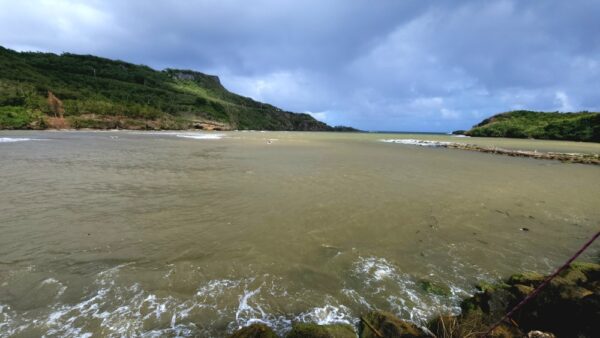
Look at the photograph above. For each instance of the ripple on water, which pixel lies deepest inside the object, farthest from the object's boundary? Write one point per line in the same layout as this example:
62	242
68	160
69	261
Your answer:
125	310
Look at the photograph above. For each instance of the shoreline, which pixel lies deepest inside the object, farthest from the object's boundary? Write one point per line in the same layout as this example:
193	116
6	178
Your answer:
581	158
563	157
568	307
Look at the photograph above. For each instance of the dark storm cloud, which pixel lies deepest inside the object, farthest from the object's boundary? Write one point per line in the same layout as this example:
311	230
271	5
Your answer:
402	65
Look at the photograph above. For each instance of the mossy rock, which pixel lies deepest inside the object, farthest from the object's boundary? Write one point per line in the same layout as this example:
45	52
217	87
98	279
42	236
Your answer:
434	288
568	306
521	291
491	302
530	279
586	267
257	330
388	325
491	287
312	330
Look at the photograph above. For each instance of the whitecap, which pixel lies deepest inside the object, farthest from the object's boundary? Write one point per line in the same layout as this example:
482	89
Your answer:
14	139
192	135
246	310
375	268
202	136
61	288
422	143
328	314
383	281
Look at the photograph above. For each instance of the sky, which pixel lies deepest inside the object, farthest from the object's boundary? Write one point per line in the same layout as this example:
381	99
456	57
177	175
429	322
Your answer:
397	65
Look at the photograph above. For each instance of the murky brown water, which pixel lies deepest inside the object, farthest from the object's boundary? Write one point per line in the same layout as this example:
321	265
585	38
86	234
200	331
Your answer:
154	234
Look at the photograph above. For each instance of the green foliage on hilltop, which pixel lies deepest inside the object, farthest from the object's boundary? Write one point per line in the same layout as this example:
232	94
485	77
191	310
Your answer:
12	117
95	90
583	126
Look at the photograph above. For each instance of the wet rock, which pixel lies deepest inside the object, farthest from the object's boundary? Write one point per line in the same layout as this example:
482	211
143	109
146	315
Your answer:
257	330
568	306
521	290
311	330
540	334
490	302
434	288
388	325
530	279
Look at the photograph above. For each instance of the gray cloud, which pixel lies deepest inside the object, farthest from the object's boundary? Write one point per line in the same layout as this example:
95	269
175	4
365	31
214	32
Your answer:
394	65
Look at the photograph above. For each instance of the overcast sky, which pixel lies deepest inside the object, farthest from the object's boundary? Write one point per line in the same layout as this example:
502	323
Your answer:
375	65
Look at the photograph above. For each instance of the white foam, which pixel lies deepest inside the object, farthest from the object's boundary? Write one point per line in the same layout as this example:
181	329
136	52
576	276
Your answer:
382	281
61	288
244	309
422	143
328	314
191	135
377	268
356	297
131	310
202	136
14	139
216	286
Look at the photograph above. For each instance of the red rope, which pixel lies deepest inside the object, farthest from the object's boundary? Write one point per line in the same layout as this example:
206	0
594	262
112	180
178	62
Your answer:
544	283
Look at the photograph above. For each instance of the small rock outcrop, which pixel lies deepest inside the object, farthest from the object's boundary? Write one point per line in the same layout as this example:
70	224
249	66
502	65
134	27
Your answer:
569	306
257	330
383	324
302	330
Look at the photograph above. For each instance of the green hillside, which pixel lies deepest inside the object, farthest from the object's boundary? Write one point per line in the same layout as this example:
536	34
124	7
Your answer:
94	92
583	126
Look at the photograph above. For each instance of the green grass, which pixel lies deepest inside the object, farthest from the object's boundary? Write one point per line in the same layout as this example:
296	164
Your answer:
12	117
583	126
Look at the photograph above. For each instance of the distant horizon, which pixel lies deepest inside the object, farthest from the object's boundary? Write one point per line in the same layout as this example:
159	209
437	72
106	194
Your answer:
440	132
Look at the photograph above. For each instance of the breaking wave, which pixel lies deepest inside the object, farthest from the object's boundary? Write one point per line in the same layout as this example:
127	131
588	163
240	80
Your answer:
386	285
117	308
16	139
191	135
422	143
202	136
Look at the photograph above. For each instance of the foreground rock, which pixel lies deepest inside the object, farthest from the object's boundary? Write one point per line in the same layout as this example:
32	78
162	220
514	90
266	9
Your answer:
382	324
301	330
568	307
254	331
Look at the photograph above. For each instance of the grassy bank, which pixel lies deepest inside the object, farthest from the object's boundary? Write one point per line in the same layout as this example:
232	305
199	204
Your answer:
583	126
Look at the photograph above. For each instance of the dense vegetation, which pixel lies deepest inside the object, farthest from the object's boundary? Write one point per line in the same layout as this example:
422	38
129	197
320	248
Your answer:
96	92
583	126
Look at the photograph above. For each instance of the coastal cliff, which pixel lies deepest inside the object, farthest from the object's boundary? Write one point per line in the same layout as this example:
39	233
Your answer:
44	90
